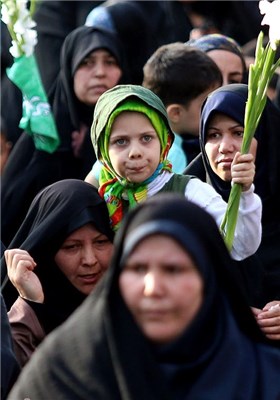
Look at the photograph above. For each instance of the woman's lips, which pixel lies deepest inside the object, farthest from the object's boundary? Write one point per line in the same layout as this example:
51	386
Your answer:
90	278
225	162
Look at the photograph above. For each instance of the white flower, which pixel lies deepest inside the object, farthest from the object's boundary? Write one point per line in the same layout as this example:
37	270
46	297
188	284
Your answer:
16	16
5	15
271	18
15	50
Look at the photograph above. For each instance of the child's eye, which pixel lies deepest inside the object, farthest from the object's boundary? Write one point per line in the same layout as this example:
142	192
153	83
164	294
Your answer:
147	138
121	142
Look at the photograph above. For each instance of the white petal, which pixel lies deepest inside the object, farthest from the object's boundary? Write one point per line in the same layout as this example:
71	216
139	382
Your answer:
14	50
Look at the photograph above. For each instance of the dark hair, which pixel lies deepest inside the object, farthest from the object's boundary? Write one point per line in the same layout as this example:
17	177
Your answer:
178	73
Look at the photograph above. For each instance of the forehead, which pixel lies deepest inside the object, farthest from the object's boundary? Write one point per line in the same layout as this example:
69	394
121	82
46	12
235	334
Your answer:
226	58
99	53
131	119
218	117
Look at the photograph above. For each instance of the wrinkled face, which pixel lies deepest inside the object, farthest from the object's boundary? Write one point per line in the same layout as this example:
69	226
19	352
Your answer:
223	139
98	72
162	288
134	146
84	257
230	65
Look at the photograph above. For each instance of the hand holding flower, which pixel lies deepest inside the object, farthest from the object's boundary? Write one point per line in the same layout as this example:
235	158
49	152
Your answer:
243	170
260	74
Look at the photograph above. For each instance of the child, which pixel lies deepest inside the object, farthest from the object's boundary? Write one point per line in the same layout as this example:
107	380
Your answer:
182	77
131	137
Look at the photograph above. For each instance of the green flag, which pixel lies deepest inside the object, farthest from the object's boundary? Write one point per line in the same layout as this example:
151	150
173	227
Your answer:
37	118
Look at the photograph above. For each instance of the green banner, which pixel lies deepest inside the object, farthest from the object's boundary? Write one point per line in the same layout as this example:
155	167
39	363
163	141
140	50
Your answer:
37	118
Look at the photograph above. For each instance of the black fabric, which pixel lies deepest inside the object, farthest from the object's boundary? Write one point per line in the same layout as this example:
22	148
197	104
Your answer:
29	170
55	212
231	100
55	20
100	353
9	366
143	26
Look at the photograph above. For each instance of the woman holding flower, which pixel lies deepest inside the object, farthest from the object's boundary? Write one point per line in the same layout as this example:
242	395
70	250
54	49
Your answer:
221	134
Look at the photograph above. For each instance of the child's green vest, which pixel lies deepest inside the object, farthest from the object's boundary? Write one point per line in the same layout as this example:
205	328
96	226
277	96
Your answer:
176	184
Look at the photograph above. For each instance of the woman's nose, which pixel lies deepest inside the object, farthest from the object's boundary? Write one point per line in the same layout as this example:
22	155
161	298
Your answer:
99	69
152	285
88	256
226	145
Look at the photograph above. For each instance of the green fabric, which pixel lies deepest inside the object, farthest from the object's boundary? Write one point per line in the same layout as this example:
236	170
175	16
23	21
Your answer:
113	188
37	119
132	104
109	101
176	184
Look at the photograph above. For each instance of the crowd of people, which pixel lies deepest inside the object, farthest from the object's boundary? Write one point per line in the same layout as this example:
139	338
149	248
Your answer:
116	282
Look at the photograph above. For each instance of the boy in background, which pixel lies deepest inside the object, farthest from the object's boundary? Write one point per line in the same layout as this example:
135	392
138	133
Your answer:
182	77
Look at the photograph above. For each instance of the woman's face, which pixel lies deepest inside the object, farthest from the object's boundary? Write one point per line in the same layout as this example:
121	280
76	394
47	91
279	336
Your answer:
230	65
162	288
223	139
84	257
98	72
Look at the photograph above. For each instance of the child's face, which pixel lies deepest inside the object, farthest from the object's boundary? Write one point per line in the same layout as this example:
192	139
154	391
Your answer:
134	147
223	139
98	72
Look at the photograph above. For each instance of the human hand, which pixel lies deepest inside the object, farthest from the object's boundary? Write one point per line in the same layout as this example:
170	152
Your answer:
20	266
268	319
243	170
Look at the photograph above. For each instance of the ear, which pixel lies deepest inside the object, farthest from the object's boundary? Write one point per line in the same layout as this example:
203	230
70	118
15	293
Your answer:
174	112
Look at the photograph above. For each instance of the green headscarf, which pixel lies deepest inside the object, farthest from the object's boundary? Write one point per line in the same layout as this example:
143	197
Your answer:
112	186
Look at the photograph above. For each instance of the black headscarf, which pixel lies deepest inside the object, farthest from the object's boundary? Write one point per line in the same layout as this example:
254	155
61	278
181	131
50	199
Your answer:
231	100
78	45
54	214
30	170
220	355
260	273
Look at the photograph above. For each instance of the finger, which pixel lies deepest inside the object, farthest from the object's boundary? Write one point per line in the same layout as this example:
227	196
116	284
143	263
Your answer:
9	254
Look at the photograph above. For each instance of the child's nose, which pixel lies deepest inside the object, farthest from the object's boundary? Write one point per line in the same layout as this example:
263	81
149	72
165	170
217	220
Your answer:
135	151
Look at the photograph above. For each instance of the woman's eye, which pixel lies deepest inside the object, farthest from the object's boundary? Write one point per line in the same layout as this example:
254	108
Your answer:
87	62
70	247
137	268
239	133
102	242
111	61
212	135
173	269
